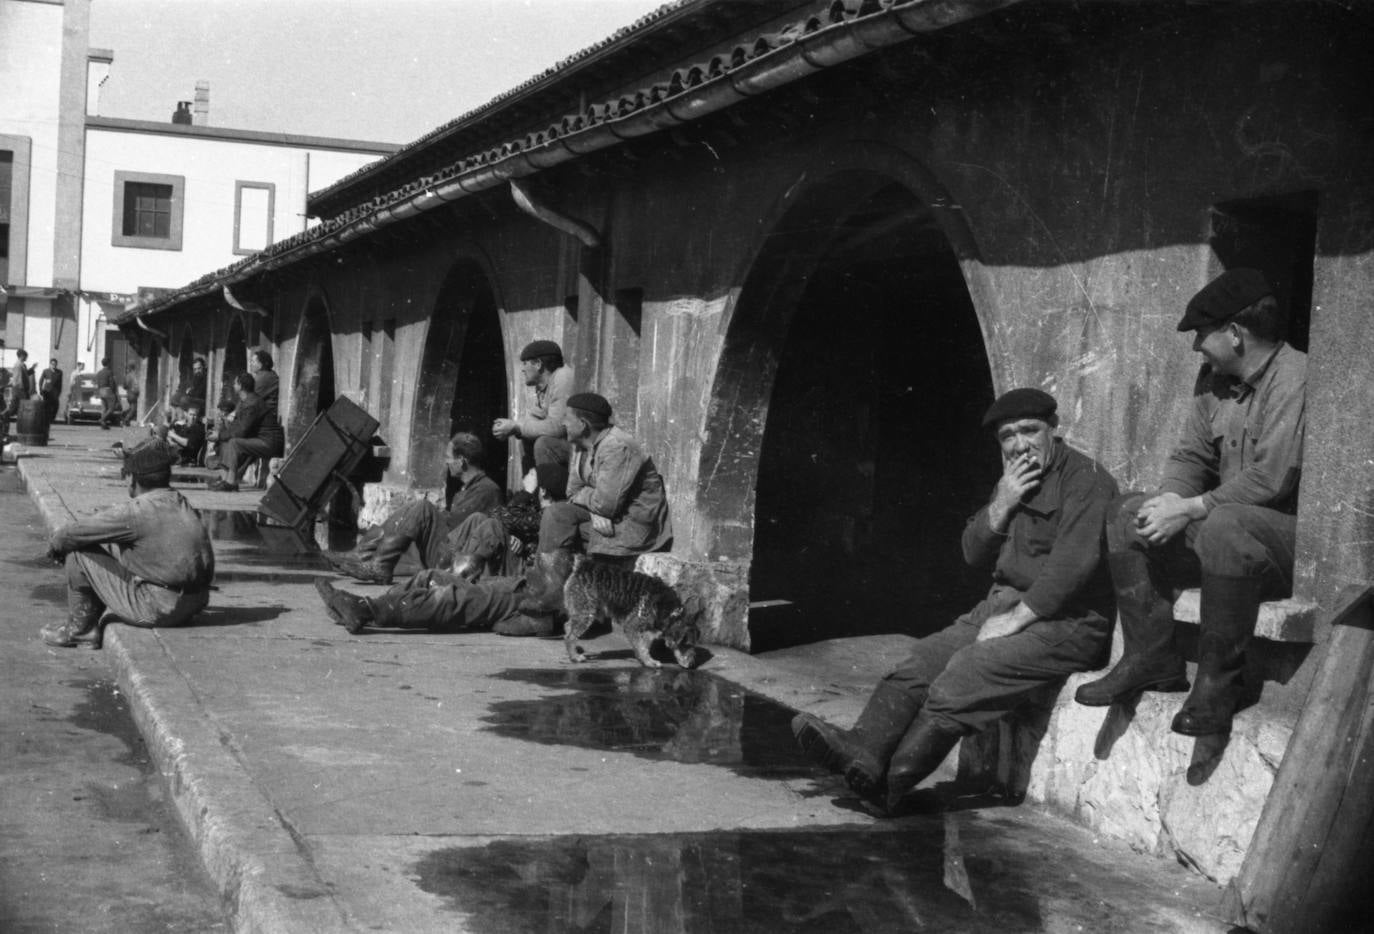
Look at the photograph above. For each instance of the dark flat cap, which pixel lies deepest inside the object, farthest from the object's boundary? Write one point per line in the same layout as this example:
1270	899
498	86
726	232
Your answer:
541	349
1020	403
591	403
153	456
1225	296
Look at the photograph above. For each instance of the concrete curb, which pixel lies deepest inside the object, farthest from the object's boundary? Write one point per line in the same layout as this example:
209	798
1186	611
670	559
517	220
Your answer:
266	881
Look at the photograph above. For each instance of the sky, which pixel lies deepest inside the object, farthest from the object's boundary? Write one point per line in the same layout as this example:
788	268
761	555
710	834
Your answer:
376	70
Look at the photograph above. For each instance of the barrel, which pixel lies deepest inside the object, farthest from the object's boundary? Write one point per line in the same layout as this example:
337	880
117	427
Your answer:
32	426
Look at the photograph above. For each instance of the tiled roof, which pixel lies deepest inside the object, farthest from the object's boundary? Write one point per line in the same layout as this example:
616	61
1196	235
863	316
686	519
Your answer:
835	32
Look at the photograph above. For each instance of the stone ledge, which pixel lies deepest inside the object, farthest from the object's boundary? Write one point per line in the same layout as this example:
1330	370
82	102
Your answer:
1288	620
380	500
1123	773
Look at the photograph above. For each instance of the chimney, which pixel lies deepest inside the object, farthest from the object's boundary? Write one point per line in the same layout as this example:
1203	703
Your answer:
183	114
202	114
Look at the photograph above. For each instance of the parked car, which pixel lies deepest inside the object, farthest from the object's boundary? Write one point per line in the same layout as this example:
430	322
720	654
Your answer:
83	403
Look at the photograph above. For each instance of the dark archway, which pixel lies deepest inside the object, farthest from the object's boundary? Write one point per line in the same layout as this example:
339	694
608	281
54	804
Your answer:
462	376
856	348
312	382
235	358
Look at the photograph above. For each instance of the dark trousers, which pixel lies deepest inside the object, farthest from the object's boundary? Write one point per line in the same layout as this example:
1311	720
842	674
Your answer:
50	403
236	453
422	524
968	685
1233	541
444	602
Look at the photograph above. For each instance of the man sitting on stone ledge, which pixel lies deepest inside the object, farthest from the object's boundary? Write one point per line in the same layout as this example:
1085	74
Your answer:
161	567
422	523
617	508
255	432
1225	514
541	432
1046	616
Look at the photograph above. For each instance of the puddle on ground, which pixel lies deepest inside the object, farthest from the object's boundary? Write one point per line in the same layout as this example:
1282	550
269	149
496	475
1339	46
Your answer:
949	874
252	540
681	716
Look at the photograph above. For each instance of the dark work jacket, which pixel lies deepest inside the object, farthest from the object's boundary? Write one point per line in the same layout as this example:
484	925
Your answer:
1052	550
253	419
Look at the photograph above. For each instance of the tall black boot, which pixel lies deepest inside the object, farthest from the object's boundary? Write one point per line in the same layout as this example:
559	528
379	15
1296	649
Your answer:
1230	607
350	611
1149	661
860	754
920	752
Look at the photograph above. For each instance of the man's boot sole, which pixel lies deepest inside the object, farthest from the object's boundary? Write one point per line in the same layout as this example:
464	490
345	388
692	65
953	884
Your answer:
1167	685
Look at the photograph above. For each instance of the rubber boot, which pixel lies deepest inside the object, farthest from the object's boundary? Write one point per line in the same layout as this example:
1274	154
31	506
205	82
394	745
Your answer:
544	583
1149	660
350	611
920	752
378	568
83	621
362	552
860	754
1230	607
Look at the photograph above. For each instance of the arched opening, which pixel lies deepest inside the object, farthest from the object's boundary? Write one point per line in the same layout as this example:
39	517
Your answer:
235	358
312	383
462	376
856	349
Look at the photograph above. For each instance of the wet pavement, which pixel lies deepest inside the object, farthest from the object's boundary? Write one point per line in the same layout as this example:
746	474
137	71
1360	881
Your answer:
88	839
416	781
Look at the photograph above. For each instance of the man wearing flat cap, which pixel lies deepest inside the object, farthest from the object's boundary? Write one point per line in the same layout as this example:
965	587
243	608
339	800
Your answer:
1045	617
540	429
616	507
423	524
1224	516
145	563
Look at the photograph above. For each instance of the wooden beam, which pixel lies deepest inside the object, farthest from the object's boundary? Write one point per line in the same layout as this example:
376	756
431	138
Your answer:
1310	853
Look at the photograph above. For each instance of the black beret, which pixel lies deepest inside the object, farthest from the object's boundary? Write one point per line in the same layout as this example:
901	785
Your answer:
1224	297
541	349
153	456
591	403
553	479
1020	403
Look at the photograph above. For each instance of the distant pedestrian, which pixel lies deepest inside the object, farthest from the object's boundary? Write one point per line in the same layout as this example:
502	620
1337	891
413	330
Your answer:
131	394
105	392
50	388
160	570
21	383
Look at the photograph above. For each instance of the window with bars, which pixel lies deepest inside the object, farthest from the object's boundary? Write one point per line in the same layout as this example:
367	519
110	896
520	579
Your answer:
147	210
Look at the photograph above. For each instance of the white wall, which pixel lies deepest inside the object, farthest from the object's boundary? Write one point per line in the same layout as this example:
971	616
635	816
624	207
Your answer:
211	167
30	98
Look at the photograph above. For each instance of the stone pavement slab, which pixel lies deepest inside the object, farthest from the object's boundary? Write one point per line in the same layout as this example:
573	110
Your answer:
412	781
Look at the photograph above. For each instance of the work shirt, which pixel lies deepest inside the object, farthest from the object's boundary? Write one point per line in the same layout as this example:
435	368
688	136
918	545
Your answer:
22	381
1243	440
478	496
617	480
550	402
1052	549
105	383
160	538
253	419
